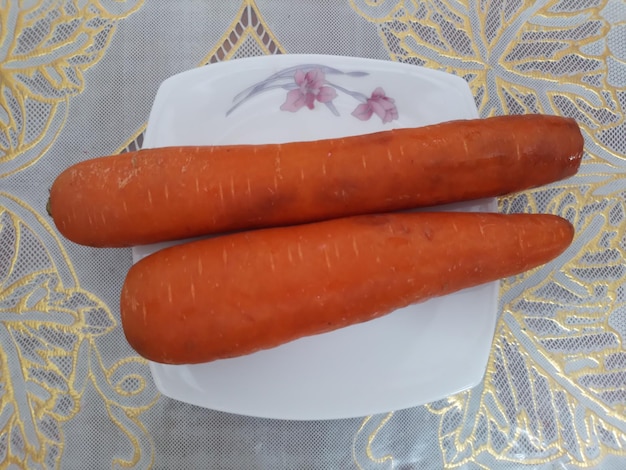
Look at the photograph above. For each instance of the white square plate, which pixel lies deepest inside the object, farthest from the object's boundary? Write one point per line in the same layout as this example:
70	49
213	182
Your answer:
412	356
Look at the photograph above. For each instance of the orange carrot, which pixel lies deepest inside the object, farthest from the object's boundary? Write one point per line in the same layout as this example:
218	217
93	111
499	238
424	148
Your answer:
236	294
179	192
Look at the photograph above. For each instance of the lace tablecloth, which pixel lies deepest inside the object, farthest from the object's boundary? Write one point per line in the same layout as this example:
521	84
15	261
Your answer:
77	80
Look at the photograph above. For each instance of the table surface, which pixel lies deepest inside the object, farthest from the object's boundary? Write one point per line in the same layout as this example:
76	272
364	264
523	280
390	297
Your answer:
77	80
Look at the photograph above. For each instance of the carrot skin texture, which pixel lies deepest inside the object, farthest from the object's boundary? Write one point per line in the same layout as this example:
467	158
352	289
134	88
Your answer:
236	294
155	195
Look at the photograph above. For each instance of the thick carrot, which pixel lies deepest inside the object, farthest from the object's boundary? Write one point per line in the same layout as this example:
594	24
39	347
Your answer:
236	294
171	193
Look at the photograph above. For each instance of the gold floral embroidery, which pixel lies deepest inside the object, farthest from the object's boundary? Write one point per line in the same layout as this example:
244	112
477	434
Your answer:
46	47
50	334
362	453
248	35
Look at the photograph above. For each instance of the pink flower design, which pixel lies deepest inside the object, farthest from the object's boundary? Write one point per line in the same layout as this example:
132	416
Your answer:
310	88
380	104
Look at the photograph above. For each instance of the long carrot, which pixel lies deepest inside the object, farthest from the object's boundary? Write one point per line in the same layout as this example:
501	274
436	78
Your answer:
236	294
171	193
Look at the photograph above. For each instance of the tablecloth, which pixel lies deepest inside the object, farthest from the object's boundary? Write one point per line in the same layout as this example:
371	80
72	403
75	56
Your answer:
77	80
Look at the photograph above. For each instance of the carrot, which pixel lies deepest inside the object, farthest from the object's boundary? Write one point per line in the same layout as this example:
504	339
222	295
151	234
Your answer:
235	294
180	192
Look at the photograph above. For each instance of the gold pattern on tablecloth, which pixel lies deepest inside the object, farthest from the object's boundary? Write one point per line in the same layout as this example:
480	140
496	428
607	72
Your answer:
42	68
362	454
248	35
50	332
51	326
555	385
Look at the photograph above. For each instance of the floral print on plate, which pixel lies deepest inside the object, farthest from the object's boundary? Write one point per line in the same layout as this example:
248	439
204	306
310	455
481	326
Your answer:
307	85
